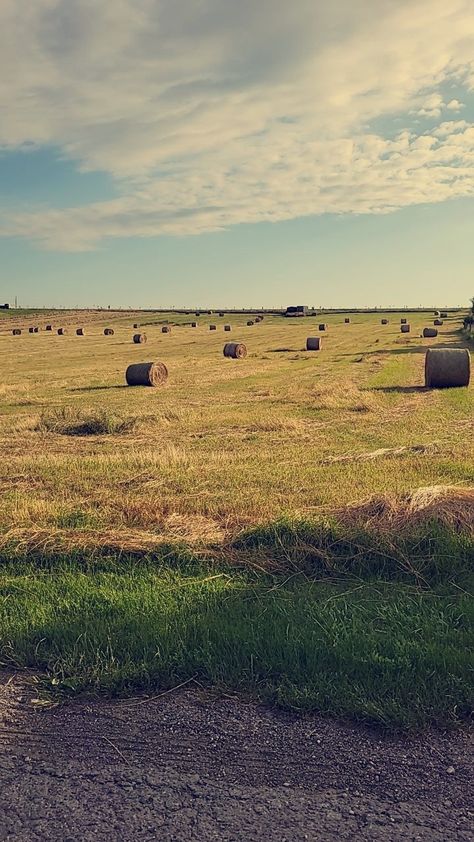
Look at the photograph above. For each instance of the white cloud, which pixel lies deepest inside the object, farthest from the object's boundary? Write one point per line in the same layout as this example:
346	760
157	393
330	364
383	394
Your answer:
217	112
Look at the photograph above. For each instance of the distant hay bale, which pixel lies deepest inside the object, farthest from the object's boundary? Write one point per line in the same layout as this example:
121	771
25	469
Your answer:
447	367
221	315
323	327
16	331
429	332
437	313
212	327
250	323
197	314
443	315
404	328
62	331
108	331
31	330
139	338
136	326
314	343
347	321
194	324
166	329
49	327
227	328
235	350
80	331
384	321
438	322
146	374
403	321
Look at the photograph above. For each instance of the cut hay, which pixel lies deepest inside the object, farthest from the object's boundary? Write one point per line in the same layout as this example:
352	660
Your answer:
80	331
166	329
108	331
382	453
235	350
447	367
314	343
429	332
404	328
62	331
146	374
450	506
139	338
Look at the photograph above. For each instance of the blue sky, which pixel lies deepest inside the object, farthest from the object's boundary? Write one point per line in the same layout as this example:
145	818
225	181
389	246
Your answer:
160	153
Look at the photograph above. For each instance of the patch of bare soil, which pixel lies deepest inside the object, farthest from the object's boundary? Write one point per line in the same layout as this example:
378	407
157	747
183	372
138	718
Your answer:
186	766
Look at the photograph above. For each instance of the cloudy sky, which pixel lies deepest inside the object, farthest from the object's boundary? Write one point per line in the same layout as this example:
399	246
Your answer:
234	152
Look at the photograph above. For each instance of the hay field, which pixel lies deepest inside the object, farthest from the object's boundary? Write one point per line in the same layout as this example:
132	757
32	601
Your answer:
225	444
254	525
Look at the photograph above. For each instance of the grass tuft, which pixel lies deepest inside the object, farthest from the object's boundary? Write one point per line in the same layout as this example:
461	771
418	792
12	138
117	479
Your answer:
68	421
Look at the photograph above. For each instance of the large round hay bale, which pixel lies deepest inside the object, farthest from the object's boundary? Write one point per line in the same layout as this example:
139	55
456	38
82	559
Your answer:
438	322
429	332
314	343
235	350
139	338
227	328
108	331
16	331
405	328
443	315
403	321
347	321
447	367
62	331
212	327
323	327
194	324
250	323
384	321
49	327
80	331
166	329
146	374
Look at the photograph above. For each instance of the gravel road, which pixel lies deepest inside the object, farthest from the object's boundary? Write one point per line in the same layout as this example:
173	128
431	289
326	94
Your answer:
185	766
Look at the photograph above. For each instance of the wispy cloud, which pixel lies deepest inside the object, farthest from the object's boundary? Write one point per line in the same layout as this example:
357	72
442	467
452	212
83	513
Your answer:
213	113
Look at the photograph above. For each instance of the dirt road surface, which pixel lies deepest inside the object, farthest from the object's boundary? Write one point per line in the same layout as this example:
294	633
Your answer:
186	766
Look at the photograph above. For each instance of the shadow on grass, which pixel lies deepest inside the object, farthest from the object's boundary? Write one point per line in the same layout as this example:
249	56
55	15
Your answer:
99	388
403	390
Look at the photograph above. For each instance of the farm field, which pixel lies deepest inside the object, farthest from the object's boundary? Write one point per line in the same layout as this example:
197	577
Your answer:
254	525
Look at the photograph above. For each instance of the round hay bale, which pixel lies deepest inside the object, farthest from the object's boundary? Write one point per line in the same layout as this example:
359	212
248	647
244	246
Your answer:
227	328
323	327
314	343
80	331
404	328
221	315
31	330
139	338
197	314
136	326
166	329
384	321
194	324
347	321
62	331
438	322
212	327
49	327
447	367
437	313
108	331
250	323
146	374
403	321
429	332
443	315
16	331
235	350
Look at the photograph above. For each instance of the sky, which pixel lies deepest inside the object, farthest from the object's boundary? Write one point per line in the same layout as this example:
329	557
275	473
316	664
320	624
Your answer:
159	153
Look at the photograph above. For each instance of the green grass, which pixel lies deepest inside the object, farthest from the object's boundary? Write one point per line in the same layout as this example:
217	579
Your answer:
361	648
